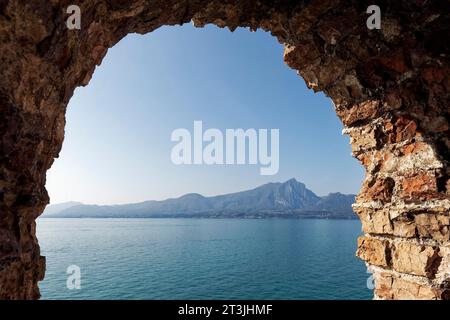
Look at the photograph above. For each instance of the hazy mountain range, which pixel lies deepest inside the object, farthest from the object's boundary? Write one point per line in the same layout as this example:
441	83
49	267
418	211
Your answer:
288	199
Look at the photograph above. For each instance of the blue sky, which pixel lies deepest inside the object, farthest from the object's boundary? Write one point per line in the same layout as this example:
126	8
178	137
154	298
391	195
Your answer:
117	146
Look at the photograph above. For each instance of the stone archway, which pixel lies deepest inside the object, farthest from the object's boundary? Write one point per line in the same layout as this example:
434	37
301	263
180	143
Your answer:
390	88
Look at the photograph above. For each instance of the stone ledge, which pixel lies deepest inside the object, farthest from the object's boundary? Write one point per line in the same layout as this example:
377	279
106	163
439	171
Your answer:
419	260
374	251
428	226
393	285
402	256
399	207
389	287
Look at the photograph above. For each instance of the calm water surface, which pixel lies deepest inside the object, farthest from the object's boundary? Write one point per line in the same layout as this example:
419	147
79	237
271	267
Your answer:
203	259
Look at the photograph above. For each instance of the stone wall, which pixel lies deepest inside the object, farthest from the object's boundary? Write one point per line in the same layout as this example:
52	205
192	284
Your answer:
390	88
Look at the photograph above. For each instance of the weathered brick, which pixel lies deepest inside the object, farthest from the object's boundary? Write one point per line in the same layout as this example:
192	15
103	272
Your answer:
420	186
404	228
375	221
405	129
391	287
435	226
374	251
362	111
407	290
377	190
420	260
363	139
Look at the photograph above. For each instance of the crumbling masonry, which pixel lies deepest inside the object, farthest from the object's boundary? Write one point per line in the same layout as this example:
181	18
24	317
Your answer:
390	88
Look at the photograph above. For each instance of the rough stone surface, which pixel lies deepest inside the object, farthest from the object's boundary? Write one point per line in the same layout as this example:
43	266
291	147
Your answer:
420	260
375	251
390	88
393	287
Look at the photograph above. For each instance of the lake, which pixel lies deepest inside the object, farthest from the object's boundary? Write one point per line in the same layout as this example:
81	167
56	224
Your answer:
203	259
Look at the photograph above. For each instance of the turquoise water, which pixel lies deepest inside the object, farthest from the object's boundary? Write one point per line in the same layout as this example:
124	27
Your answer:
203	259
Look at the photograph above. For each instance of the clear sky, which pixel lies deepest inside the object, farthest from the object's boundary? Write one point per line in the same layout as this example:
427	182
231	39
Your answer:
117	146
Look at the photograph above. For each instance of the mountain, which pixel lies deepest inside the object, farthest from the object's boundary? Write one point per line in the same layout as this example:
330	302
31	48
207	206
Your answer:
55	208
337	202
288	199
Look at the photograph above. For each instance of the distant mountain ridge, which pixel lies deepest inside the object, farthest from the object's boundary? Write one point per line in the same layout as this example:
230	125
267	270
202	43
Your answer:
288	199
55	208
